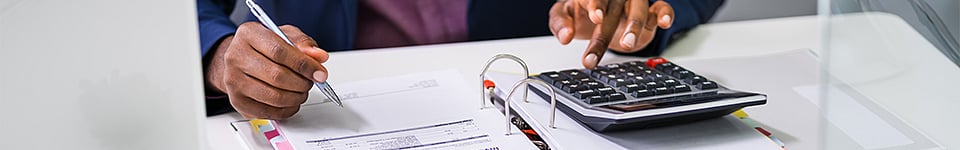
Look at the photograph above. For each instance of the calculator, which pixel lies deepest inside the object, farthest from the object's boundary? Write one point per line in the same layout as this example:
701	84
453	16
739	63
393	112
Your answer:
641	94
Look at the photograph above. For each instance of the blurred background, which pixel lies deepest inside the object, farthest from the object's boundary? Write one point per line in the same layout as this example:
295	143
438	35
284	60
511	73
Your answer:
936	20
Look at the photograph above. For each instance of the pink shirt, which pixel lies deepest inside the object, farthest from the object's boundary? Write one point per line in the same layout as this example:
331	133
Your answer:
390	23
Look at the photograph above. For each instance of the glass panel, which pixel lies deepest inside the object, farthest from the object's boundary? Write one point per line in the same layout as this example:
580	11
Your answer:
888	75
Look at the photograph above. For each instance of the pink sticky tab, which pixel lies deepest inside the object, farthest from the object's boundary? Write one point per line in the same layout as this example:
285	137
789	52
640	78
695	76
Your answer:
285	145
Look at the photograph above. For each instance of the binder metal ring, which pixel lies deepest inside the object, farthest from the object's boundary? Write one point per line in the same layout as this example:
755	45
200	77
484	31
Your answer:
526	72
525	83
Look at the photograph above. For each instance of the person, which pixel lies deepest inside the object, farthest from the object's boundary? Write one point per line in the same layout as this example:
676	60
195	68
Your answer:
249	69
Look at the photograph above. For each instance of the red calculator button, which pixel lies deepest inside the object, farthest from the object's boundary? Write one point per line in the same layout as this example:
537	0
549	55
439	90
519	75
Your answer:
653	62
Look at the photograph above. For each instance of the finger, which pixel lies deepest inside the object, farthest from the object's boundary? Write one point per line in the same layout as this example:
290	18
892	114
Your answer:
264	70
305	43
636	16
583	27
252	109
603	34
274	48
649	30
561	22
266	94
664	12
596	9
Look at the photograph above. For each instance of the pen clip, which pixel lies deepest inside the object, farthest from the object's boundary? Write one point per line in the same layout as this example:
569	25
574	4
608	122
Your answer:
267	22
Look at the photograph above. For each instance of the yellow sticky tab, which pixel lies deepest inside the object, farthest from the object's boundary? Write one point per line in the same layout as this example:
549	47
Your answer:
740	114
256	123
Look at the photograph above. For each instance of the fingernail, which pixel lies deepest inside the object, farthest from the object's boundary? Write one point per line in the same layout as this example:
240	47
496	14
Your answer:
591	59
665	18
317	48
562	34
599	14
629	39
320	76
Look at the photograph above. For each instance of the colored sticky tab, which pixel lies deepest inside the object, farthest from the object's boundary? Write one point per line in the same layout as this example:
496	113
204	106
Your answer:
256	123
271	134
763	131
740	114
285	145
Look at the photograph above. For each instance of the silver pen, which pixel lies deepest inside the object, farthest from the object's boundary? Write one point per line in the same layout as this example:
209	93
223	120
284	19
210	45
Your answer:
266	21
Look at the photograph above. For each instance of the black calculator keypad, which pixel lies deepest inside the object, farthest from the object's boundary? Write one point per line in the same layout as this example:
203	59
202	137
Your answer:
629	83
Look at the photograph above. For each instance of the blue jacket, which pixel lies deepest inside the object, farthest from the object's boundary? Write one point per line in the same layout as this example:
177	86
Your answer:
332	23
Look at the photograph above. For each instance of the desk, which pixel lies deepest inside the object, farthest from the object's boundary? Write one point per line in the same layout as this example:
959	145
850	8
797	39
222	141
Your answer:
544	53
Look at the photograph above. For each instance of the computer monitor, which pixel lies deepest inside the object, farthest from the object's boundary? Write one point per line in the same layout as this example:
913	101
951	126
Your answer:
104	74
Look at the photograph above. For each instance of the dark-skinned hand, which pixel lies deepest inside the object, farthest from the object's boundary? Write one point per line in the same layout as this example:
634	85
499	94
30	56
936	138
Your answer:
603	22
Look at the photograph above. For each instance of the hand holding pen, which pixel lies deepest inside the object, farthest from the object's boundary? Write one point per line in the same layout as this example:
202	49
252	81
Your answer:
264	76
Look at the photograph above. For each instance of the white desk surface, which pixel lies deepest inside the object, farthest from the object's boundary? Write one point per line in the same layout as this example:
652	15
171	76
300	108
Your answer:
544	53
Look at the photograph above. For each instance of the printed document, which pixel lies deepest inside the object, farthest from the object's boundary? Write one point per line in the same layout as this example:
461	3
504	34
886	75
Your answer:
430	110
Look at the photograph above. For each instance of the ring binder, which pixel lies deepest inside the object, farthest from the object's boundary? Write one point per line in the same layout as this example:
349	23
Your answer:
526	72
525	83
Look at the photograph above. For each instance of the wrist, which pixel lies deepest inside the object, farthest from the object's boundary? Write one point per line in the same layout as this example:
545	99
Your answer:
217	65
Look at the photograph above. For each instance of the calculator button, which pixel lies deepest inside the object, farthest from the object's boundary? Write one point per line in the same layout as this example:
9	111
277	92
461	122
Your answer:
642	93
681	88
664	66
706	85
592	85
645	71
670	82
551	77
600	72
595	99
616	97
663	90
629	88
585	94
610	77
611	66
621	70
605	91
657	76
683	74
562	83
695	79
641	79
653	62
653	84
633	63
581	80
573	88
575	74
620	82
673	69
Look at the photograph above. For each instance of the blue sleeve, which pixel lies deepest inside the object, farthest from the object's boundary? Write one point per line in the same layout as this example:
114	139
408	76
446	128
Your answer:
688	14
214	24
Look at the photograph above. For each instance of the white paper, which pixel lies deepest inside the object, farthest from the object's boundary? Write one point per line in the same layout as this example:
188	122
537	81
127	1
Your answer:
396	104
